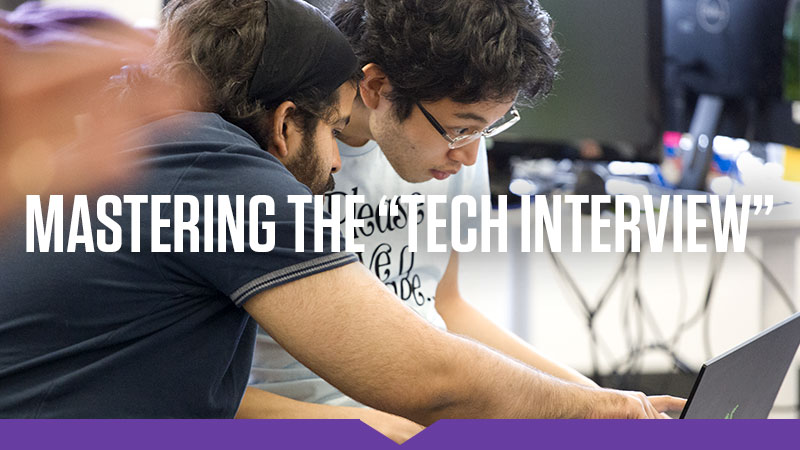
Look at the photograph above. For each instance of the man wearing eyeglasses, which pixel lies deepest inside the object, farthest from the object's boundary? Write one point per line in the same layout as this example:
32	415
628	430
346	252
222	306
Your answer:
438	78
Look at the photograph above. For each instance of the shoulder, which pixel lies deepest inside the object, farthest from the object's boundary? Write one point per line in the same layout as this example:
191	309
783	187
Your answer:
205	154
192	131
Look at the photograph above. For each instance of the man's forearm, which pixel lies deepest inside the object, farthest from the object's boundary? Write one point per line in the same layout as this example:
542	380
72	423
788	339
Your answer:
514	390
462	318
347	327
509	389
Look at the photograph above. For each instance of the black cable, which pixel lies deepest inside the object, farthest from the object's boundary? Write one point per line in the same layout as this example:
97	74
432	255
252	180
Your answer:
773	280
629	366
677	362
626	368
586	309
620	270
707	336
627	327
643	310
636	356
707	312
584	304
632	344
713	270
684	293
596	343
636	347
646	313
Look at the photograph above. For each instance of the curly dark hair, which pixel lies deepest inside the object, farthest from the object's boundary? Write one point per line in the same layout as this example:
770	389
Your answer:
210	49
467	51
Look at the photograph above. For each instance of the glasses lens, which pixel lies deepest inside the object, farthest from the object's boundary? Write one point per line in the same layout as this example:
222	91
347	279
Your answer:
503	124
464	140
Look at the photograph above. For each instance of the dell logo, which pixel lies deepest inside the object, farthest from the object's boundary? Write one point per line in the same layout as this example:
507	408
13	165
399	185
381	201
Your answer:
713	15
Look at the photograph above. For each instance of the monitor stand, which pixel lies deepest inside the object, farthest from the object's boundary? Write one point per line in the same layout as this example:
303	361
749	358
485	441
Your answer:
697	161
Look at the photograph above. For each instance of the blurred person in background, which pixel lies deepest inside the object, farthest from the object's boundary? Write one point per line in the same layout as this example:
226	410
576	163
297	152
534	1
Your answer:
54	64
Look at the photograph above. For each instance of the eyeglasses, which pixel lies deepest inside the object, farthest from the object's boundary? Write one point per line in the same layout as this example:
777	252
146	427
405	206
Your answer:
461	140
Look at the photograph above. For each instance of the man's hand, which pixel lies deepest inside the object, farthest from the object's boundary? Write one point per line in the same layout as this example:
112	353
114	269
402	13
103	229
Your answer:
636	405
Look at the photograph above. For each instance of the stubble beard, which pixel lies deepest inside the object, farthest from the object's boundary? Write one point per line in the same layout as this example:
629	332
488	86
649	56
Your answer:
307	168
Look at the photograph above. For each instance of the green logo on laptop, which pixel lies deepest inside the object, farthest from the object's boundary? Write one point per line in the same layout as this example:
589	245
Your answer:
730	414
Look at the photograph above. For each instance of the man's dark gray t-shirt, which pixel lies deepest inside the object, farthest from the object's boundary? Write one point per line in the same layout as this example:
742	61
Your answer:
143	334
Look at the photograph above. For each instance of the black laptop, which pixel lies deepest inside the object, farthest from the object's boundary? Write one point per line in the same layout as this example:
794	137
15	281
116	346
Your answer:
743	382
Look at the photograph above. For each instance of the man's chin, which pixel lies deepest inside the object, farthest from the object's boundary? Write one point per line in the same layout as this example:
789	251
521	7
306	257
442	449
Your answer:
416	177
320	189
331	185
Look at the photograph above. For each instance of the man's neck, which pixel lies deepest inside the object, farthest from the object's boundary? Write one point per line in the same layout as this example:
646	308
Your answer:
357	132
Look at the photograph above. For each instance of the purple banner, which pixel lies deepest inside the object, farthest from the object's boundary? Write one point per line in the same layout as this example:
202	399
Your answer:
449	434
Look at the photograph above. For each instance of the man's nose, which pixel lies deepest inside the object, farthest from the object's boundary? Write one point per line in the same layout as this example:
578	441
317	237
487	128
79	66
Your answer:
466	155
336	164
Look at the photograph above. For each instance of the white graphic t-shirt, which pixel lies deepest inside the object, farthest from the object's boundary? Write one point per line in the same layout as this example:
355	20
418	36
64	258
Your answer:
413	277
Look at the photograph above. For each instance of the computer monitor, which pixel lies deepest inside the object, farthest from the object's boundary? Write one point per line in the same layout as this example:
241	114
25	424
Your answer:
723	75
730	48
609	88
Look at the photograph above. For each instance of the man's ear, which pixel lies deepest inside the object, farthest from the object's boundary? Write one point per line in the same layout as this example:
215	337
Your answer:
286	135
374	86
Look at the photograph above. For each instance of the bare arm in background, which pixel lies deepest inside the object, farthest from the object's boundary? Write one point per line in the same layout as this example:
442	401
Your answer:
463	319
258	404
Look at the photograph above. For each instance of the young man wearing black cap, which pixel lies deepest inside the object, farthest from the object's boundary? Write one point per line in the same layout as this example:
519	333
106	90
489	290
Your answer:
150	333
141	333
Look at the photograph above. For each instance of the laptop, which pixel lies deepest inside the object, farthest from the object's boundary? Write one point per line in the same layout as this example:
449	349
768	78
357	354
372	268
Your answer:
743	382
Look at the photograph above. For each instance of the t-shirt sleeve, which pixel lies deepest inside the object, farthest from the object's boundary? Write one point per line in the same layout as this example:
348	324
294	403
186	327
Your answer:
243	272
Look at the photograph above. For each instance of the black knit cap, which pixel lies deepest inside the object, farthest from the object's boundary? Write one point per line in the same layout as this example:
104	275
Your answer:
303	49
